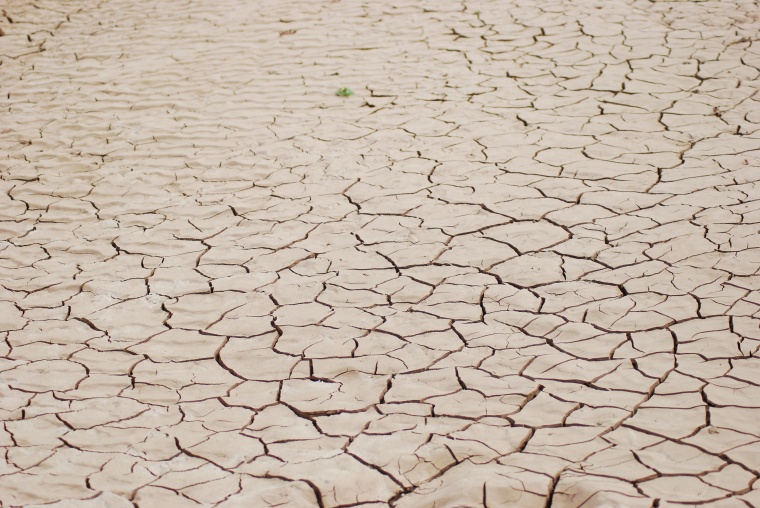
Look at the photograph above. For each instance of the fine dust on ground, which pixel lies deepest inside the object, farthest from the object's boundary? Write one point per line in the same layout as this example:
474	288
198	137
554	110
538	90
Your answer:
517	267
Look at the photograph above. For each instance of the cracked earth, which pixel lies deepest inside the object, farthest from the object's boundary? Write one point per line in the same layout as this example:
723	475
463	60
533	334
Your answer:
519	267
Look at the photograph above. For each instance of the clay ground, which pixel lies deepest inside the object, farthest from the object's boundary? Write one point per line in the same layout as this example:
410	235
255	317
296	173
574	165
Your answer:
518	267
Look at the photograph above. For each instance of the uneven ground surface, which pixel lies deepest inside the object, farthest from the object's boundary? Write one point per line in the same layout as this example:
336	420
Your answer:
519	267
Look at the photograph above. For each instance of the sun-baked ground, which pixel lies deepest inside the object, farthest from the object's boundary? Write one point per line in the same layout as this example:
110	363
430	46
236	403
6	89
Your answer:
518	266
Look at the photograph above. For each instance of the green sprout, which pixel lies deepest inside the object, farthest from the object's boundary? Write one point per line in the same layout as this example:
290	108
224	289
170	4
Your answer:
345	92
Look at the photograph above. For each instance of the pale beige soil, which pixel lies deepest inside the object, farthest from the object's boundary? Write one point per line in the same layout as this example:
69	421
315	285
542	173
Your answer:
519	267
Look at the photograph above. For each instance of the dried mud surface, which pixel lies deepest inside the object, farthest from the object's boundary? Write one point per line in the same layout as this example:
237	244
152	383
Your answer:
519	267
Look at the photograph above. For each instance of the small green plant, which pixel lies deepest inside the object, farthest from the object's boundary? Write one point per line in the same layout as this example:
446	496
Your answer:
345	92
477	13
